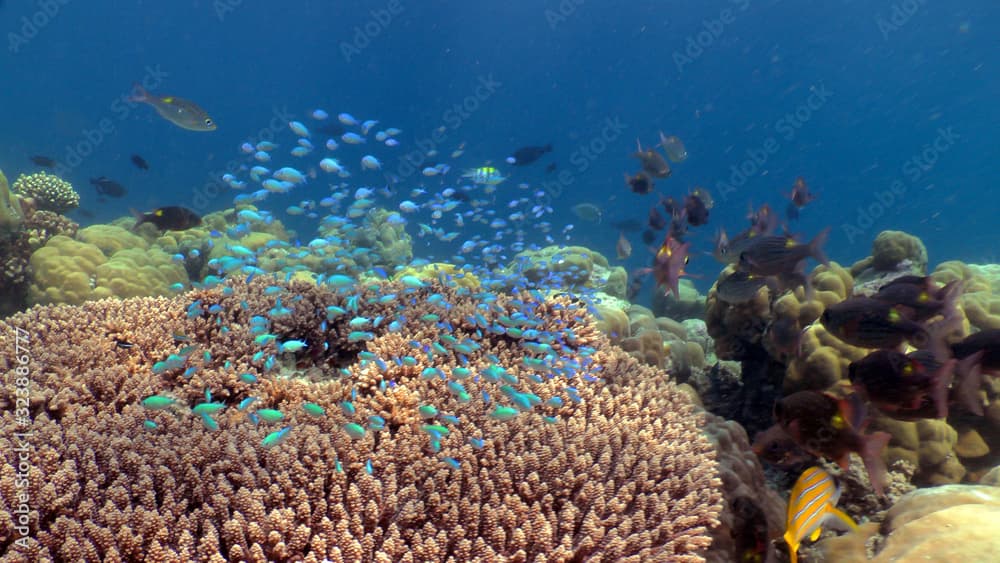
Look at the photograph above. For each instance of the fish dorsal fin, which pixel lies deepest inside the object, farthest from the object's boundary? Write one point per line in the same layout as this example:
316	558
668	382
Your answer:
837	519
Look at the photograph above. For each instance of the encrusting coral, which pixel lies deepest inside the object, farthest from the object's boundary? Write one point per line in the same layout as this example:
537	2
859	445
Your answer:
619	471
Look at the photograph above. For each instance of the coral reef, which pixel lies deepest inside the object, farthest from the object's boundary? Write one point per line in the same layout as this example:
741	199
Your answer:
688	305
618	472
754	514
946	523
71	271
50	192
566	266
11	216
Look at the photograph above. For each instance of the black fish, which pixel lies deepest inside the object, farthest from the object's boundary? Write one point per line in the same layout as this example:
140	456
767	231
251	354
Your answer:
920	294
871	323
170	218
696	209
770	255
107	186
526	155
139	162
904	386
550	168
43	161
641	183
986	341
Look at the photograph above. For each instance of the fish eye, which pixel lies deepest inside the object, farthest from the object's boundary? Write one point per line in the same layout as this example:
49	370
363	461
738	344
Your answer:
208	121
687	259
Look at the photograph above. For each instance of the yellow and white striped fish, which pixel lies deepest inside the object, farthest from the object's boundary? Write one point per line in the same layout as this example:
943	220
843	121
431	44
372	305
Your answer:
813	502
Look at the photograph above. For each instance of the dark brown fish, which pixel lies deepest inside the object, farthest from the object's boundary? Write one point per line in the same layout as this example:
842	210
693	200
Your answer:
652	162
920	294
527	155
739	287
641	183
770	255
985	341
776	447
871	323
907	387
107	186
139	162
800	197
696	206
170	218
43	161
827	427
656	221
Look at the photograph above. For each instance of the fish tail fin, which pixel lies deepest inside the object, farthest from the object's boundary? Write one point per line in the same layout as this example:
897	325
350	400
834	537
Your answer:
949	295
871	454
139	94
816	246
940	382
140	218
939	331
968	381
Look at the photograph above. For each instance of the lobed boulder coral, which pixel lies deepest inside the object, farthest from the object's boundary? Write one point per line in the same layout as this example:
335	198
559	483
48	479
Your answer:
71	271
625	474
946	523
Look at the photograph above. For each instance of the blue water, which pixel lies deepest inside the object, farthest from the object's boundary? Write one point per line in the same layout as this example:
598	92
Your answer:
881	92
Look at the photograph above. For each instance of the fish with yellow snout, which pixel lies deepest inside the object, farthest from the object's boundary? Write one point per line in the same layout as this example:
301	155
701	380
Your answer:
813	503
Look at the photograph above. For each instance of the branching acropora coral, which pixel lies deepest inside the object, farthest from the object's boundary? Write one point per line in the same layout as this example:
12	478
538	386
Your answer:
406	423
50	192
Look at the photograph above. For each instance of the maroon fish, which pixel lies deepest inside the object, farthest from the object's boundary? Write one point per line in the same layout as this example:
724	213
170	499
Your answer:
668	267
921	295
904	386
872	323
827	427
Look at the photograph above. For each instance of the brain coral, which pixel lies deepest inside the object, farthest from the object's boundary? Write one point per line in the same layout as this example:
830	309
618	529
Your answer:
615	476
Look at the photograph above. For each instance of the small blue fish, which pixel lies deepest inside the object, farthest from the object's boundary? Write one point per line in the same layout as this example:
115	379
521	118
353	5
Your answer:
275	438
